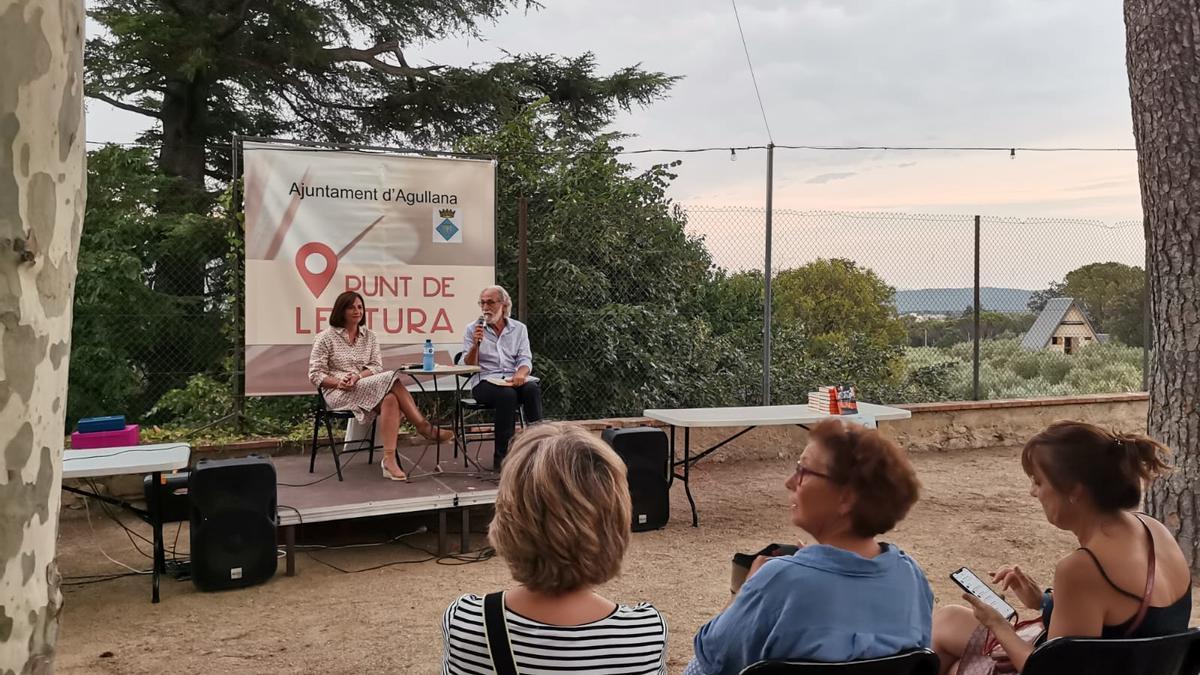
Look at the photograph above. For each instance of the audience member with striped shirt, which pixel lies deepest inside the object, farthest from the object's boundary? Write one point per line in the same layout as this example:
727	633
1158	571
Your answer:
562	524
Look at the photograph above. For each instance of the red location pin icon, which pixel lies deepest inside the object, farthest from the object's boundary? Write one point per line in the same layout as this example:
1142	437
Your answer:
316	263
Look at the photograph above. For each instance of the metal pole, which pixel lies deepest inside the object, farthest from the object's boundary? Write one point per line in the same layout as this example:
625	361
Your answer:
523	259
975	368
239	354
1146	328
766	383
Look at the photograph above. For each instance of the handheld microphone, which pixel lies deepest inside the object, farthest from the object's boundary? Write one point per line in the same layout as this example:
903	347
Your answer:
479	322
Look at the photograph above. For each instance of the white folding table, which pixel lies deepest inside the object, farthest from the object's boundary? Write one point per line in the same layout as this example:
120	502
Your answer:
750	417
130	460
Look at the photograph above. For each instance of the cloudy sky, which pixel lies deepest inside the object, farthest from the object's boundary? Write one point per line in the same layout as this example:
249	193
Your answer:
855	72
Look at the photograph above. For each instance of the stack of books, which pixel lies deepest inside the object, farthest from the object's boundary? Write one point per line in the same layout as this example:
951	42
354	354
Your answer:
824	400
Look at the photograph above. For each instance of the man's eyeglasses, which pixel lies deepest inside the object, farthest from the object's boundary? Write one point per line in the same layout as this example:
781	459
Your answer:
802	471
488	303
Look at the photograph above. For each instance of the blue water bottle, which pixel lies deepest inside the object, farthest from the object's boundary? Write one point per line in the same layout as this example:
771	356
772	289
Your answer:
427	355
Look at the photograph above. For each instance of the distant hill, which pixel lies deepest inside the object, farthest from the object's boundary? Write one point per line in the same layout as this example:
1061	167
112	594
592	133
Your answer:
955	300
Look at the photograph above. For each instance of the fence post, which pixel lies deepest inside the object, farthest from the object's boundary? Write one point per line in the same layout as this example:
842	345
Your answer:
523	258
766	383
978	309
239	293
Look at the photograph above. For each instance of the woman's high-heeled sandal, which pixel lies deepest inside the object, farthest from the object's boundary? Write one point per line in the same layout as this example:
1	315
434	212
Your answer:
389	475
427	429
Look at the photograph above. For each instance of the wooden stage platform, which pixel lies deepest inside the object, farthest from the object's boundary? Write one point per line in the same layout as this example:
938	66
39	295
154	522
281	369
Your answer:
304	497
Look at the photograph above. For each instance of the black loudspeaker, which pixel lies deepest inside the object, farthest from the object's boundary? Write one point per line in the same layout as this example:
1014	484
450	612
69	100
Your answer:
647	457
233	522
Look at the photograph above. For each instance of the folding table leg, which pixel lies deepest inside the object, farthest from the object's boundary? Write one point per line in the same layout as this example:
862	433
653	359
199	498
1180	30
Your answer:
687	473
160	558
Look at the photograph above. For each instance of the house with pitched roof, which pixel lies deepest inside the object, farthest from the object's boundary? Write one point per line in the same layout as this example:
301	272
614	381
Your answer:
1061	327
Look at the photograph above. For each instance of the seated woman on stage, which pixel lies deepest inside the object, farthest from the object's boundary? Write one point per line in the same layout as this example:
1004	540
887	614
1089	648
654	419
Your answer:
562	524
847	597
346	364
1128	578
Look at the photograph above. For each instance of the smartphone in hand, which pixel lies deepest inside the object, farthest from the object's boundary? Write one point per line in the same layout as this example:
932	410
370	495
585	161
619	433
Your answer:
972	584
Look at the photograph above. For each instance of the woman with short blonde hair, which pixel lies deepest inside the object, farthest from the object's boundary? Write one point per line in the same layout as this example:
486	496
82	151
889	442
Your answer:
562	524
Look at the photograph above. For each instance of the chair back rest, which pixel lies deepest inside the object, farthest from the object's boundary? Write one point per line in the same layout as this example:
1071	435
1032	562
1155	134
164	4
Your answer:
319	403
914	662
1177	654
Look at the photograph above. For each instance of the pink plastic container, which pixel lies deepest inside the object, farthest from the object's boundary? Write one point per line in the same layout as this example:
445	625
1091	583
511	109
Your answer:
130	435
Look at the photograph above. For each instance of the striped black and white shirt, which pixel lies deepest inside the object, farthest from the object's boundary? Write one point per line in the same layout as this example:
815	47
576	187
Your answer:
630	641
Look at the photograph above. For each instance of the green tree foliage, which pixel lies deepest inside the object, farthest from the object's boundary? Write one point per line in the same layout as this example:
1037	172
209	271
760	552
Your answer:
1112	294
132	341
617	288
1007	371
852	338
334	72
329	71
951	331
835	297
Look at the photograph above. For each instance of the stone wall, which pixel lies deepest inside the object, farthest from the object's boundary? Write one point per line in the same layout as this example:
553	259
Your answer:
956	425
951	426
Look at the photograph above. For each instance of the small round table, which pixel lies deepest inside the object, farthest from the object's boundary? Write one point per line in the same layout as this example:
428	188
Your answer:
441	375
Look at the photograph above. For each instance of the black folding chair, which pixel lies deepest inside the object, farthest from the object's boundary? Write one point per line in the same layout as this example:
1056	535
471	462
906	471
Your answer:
467	406
915	662
1177	654
322	415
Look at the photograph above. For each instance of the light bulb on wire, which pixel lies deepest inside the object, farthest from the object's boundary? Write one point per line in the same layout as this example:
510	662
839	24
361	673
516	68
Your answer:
732	155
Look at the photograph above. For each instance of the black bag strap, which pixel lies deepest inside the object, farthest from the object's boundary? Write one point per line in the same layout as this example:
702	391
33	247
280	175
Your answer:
496	632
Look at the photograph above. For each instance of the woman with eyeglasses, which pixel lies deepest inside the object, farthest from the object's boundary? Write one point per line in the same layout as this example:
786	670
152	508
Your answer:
849	596
499	345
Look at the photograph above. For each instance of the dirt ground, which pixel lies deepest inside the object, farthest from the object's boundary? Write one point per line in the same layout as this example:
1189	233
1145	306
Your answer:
975	510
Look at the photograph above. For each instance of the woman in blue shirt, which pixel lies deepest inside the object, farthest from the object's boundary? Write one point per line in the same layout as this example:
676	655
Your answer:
848	596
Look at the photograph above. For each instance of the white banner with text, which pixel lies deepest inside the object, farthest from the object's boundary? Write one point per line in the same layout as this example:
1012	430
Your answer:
415	236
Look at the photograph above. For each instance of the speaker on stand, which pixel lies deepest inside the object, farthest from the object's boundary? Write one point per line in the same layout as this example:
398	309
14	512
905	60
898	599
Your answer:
232	522
647	456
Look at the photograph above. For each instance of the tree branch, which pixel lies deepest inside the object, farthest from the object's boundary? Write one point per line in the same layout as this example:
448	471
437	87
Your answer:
296	109
235	23
124	106
307	95
368	56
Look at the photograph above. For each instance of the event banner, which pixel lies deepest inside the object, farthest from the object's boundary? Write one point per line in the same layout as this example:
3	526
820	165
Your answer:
415	236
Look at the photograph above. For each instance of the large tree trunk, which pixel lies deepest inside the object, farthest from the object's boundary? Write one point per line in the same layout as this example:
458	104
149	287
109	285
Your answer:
1164	85
185	129
181	271
42	191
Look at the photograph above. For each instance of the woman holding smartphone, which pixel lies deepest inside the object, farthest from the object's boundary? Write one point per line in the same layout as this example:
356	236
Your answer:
1127	579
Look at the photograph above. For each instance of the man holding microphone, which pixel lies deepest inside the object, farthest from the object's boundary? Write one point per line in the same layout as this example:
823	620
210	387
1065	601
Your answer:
499	345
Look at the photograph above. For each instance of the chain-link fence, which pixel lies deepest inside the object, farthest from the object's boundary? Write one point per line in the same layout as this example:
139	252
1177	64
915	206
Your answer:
672	315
